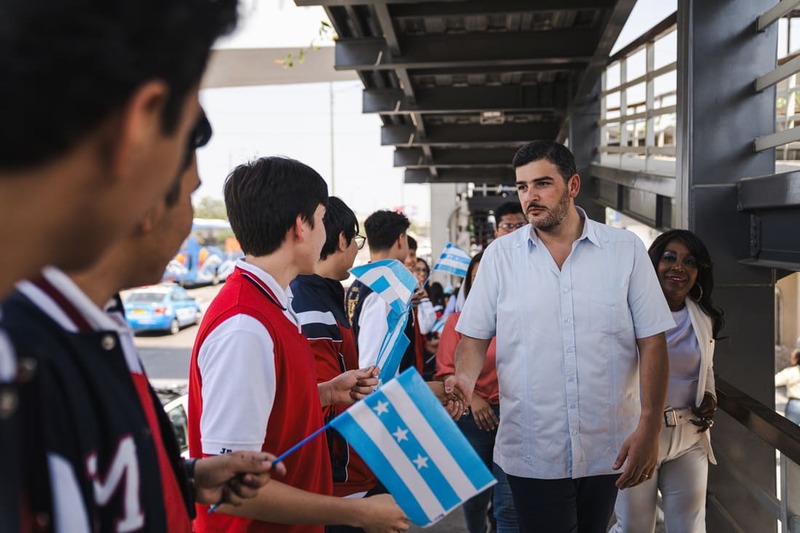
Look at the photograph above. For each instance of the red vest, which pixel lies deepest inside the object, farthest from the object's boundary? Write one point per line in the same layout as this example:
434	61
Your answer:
296	412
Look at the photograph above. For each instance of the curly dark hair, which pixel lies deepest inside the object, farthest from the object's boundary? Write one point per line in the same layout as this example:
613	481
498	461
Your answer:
703	288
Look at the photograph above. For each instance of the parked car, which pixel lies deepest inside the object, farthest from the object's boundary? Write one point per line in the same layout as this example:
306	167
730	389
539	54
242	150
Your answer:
165	307
177	411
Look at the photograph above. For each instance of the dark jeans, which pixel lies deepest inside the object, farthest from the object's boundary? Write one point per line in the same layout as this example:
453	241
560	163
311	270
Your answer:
582	505
476	508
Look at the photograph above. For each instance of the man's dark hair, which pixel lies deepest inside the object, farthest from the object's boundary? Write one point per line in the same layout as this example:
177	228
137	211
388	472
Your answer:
68	65
507	208
384	227
264	198
551	151
198	137
412	243
338	219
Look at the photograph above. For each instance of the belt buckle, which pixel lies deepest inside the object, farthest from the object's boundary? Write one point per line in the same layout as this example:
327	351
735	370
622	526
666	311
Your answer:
670	418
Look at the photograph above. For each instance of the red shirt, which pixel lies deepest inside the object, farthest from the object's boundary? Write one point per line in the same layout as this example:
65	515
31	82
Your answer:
486	387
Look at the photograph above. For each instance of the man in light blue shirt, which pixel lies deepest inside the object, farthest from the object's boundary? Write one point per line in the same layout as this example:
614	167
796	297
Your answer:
581	355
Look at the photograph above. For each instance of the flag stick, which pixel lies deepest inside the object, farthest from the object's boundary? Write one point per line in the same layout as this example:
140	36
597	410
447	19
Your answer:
281	457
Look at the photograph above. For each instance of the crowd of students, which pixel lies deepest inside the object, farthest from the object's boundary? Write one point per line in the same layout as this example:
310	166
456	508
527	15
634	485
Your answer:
107	175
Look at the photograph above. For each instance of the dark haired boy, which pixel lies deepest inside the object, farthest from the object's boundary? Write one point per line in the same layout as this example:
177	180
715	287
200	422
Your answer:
252	382
97	99
319	304
387	239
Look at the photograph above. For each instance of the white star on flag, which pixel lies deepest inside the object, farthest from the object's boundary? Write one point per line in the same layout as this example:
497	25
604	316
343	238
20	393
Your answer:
421	462
401	434
381	408
415	448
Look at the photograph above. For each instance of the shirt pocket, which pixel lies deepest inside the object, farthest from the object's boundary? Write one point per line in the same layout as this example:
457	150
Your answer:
603	310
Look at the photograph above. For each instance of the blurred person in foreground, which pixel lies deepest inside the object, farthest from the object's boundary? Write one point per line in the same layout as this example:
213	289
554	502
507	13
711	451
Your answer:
113	459
81	161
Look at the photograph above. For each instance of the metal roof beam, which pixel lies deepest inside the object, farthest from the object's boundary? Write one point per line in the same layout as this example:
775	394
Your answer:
514	69
329	3
489	175
542	97
469	134
493	7
454	157
611	24
469	50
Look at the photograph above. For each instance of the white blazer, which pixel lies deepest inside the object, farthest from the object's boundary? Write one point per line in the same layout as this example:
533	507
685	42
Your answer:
702	325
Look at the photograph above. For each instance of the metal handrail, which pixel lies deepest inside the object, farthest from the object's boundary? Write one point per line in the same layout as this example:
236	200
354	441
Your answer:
775	13
666	69
662	28
762	421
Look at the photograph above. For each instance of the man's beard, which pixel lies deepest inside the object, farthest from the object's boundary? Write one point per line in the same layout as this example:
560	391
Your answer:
554	217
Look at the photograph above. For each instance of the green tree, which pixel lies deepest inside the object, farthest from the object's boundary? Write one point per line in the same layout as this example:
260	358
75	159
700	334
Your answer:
209	207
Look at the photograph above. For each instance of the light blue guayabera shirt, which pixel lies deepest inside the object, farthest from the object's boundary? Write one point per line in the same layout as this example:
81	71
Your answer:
567	360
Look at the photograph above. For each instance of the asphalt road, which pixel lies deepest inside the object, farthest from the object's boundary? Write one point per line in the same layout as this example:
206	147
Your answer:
166	360
165	356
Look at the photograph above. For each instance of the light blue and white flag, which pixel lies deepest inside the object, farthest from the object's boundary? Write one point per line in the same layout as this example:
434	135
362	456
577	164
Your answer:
415	449
438	326
453	260
395	284
390	279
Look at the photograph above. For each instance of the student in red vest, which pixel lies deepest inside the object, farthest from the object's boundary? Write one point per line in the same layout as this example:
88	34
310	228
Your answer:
252	377
319	304
113	459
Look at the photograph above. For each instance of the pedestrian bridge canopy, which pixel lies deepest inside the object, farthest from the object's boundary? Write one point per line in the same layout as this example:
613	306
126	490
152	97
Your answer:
680	129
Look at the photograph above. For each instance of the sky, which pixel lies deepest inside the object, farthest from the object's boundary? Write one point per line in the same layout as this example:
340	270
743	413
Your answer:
297	120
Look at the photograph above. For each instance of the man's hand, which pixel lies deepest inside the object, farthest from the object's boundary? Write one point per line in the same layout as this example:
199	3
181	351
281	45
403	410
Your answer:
705	413
458	390
639	453
349	387
233	477
380	514
454	407
483	414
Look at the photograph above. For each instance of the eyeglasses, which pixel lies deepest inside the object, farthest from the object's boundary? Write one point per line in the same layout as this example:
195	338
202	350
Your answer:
508	226
421	270
360	241
688	261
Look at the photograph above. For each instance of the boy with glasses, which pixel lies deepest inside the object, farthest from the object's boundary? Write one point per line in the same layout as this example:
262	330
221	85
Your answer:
318	303
508	218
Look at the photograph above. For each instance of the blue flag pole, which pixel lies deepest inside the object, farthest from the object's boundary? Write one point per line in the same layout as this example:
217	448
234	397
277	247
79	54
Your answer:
283	456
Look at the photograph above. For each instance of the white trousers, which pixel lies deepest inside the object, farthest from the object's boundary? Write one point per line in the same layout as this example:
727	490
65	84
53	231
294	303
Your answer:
681	475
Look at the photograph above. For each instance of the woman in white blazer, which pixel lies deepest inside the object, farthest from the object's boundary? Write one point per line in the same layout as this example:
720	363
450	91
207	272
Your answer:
685	273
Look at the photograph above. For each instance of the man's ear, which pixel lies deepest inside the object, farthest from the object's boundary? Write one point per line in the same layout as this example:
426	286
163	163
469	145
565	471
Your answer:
139	127
343	245
147	223
574	185
299	229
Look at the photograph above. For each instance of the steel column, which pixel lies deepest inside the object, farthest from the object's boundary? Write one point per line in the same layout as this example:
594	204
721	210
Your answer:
720	54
